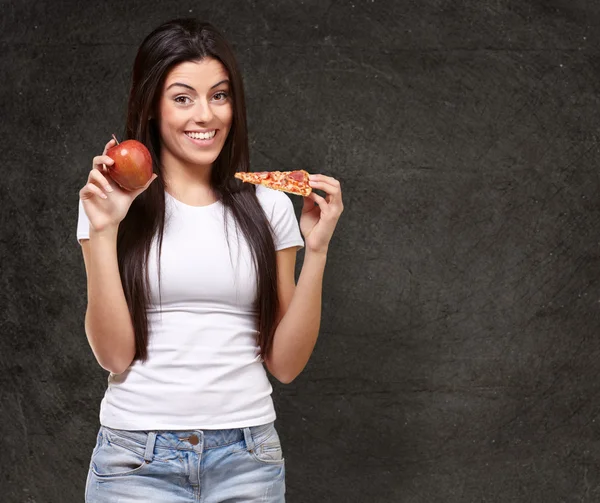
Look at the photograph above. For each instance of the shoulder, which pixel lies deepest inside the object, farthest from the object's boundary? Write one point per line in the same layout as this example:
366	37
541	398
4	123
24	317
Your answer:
273	201
279	209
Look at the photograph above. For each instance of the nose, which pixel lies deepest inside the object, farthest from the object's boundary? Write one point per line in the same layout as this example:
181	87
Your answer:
202	112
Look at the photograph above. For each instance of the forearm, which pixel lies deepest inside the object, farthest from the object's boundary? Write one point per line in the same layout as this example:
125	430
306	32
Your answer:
297	332
108	324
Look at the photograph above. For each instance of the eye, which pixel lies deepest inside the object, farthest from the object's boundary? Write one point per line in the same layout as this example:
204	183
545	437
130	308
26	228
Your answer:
222	93
181	99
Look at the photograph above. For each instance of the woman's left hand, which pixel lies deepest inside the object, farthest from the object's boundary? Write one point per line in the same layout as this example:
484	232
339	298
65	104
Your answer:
318	221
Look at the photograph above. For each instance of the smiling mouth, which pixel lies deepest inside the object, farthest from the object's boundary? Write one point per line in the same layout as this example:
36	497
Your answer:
201	136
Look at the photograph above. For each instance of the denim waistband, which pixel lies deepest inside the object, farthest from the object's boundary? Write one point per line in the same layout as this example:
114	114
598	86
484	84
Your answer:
196	440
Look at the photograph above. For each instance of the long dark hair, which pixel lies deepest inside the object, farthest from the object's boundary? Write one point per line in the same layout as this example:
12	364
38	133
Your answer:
172	43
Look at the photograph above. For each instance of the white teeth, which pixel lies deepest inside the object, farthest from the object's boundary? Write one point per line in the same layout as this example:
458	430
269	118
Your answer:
201	136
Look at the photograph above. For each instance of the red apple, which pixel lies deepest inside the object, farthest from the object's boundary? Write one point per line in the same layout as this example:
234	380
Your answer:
133	164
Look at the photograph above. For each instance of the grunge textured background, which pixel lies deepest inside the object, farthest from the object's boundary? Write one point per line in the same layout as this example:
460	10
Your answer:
459	357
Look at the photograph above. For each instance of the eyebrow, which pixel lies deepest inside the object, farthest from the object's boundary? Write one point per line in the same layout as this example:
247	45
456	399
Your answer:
225	81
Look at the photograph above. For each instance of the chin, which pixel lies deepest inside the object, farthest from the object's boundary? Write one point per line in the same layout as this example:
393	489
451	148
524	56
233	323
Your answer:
203	158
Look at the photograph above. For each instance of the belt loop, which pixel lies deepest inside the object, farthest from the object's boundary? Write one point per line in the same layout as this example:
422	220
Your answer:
248	438
149	452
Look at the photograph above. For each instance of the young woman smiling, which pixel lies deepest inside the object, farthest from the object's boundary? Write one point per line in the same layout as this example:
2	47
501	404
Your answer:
191	289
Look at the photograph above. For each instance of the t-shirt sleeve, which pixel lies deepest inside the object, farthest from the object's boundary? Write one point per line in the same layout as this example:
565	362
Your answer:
283	221
83	224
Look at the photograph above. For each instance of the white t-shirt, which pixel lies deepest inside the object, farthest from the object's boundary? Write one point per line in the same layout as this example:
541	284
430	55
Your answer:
203	369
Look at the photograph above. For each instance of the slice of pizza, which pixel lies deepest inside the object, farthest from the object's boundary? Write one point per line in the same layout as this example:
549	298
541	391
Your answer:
294	182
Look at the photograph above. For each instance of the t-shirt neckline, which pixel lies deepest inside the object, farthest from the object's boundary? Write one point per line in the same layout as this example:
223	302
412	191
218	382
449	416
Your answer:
189	206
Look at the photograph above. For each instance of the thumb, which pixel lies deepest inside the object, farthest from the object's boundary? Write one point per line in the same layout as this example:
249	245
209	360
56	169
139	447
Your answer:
139	191
309	203
154	177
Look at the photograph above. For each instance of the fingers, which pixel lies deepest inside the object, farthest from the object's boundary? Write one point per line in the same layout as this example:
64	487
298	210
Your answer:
309	202
325	179
314	198
107	146
326	184
333	189
90	190
99	184
100	161
99	179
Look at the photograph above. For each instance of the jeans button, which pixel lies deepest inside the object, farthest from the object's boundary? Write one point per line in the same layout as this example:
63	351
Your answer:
193	439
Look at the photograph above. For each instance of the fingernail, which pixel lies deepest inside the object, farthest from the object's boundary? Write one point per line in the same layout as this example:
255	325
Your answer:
103	196
108	188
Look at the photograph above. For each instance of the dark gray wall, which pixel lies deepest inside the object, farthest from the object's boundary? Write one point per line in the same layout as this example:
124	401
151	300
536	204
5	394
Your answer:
458	358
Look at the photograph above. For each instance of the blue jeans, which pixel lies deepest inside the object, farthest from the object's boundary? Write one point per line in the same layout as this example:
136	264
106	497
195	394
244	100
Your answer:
203	466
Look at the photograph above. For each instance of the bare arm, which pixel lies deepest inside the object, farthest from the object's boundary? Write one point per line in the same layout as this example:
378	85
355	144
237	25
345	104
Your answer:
108	324
300	305
300	308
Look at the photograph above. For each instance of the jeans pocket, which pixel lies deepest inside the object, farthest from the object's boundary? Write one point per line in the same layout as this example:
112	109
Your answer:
267	447
117	457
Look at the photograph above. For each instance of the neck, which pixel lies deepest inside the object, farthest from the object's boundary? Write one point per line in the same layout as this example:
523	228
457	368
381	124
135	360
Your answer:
188	183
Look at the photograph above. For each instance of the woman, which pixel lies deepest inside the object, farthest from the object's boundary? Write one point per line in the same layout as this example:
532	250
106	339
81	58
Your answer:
191	288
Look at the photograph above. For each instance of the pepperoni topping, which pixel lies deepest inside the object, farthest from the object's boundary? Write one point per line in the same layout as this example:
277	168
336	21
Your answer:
297	175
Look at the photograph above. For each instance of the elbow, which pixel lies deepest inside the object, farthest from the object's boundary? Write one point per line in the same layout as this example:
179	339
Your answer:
286	379
114	365
111	358
284	371
114	368
281	375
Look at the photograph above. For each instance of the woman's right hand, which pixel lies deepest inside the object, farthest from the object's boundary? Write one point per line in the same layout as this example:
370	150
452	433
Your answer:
104	201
